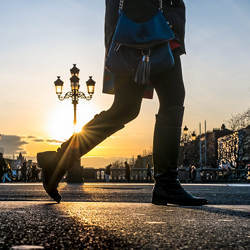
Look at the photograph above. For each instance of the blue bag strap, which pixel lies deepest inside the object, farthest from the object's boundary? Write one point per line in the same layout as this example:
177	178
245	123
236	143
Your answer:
121	4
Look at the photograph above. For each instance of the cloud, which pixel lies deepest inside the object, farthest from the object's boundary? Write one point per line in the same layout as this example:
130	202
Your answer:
53	141
38	140
12	144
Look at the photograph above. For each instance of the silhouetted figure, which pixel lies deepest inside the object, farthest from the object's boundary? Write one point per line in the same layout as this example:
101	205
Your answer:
169	87
6	171
34	173
2	163
107	172
1	173
127	171
193	173
24	172
149	172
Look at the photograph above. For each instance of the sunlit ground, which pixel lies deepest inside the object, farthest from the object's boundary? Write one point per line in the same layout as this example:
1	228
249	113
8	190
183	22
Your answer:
60	120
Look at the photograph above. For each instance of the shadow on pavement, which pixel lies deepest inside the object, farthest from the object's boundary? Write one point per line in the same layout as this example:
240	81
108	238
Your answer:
223	211
48	226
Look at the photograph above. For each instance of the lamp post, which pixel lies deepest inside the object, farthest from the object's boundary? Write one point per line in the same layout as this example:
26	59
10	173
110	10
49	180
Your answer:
188	138
185	133
193	136
74	175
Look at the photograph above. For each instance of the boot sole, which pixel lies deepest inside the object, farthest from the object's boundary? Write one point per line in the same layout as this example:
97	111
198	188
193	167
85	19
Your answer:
159	201
164	201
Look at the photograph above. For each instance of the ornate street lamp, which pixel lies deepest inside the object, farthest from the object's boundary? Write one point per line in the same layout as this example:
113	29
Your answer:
59	86
185	133
75	174
193	136
185	130
75	94
90	86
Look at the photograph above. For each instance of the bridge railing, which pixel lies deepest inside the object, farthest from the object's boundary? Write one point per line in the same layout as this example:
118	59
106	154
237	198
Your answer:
119	175
202	175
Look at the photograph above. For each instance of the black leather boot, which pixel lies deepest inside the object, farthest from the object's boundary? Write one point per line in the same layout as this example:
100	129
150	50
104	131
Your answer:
55	164
47	161
167	188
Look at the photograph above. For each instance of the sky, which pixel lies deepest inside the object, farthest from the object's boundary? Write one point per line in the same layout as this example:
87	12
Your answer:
41	39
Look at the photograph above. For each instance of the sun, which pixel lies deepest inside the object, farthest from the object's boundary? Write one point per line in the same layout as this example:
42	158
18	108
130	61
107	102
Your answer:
60	120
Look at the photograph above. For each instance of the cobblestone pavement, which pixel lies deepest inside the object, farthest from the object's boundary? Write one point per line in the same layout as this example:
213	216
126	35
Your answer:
108	222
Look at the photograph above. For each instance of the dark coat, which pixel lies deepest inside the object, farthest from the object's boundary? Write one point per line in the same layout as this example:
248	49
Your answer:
174	12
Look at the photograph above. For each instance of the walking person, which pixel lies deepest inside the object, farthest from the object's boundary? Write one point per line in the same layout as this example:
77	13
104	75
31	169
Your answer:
127	171
6	170
3	167
2	162
149	172
24	172
128	97
193	173
34	173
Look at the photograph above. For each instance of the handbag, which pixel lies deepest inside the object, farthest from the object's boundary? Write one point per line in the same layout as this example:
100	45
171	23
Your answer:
140	50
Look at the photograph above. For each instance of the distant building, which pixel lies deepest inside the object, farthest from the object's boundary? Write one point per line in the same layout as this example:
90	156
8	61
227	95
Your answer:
142	161
235	148
204	149
212	145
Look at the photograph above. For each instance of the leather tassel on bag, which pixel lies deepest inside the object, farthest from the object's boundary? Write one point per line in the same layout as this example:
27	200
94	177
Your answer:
142	75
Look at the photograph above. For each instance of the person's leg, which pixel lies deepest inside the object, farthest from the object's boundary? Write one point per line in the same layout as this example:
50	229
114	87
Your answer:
126	107
171	93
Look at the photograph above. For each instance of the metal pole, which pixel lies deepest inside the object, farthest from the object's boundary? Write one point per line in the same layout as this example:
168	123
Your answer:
74	103
205	143
75	173
200	147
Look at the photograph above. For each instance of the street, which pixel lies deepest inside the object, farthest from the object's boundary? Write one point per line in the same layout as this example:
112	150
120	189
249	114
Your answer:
108	216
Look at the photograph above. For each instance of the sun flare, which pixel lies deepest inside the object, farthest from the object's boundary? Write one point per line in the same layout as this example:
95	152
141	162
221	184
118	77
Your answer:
60	121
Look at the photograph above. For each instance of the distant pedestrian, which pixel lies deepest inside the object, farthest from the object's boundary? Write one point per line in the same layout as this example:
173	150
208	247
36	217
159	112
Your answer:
34	173
193	173
19	174
127	171
6	172
149	172
2	162
24	172
107	172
